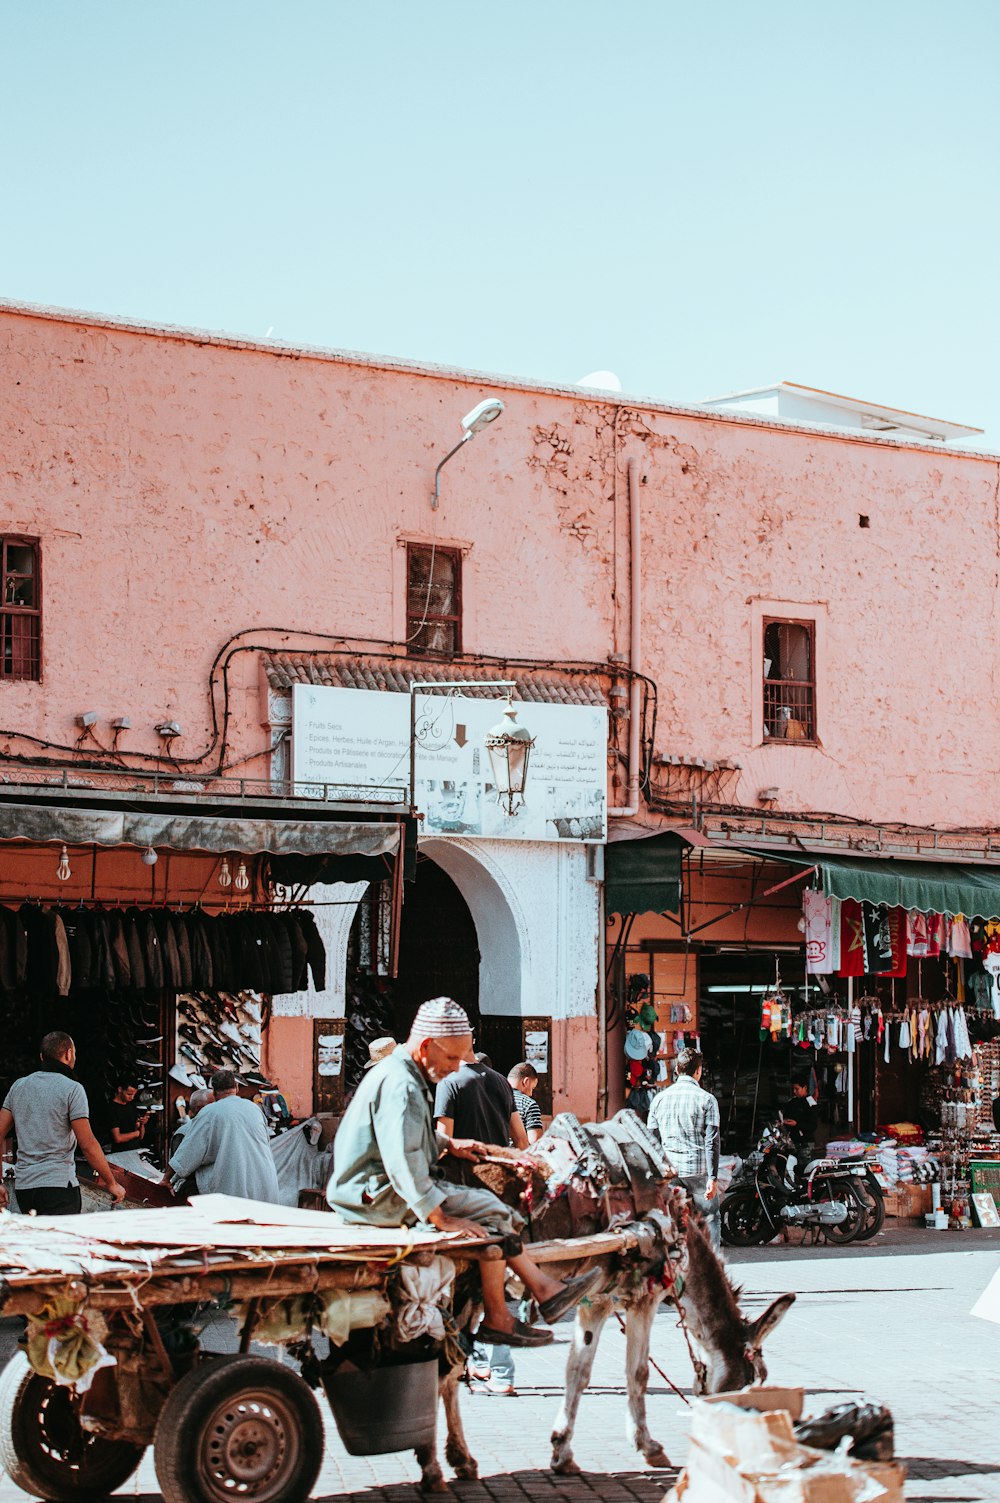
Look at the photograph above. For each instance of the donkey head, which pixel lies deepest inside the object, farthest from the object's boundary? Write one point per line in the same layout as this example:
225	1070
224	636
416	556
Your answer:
731	1344
740	1362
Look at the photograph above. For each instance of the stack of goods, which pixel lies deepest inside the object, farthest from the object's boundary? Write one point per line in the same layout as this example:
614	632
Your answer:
219	1031
913	1165
847	1148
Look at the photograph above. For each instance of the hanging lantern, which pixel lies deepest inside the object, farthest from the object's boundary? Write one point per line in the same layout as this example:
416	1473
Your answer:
63	870
225	875
509	746
242	880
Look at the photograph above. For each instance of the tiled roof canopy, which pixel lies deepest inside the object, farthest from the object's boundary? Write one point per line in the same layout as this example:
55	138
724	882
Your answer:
550	687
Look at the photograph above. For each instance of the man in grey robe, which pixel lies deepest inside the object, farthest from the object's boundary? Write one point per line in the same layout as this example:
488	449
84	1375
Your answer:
385	1172
227	1148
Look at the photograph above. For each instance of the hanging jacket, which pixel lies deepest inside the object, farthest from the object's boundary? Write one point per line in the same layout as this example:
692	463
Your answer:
314	948
119	950
153	952
133	943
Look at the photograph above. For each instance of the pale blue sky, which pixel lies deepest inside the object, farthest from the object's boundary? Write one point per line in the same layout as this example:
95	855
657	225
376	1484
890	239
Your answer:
699	196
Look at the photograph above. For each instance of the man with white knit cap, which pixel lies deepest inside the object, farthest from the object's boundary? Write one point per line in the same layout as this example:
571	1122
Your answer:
385	1171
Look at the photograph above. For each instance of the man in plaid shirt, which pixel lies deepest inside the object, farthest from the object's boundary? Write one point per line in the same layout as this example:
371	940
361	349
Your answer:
686	1120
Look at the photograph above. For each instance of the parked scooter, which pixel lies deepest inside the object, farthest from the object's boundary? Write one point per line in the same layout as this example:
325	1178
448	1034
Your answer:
771	1192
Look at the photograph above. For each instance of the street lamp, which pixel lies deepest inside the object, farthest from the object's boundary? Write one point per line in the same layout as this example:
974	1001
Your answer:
509	746
508	743
474	422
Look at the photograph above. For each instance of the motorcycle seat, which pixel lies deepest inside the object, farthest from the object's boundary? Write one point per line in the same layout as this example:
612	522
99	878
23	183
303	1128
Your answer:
855	1158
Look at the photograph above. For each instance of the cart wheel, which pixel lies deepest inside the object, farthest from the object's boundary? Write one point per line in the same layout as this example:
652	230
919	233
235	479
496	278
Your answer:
247	1428
43	1447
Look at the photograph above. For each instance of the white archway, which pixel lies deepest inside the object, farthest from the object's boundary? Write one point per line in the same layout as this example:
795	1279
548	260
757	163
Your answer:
504	955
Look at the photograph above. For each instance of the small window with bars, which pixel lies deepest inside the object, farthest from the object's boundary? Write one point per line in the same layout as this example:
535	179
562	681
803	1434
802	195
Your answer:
20	609
433	601
790	680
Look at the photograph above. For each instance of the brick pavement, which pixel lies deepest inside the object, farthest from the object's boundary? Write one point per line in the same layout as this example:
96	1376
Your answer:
891	1321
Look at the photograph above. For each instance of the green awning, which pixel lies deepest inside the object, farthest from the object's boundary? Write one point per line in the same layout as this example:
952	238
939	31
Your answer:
928	886
643	876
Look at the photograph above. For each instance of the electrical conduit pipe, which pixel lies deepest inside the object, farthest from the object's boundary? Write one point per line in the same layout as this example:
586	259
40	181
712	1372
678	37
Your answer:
631	807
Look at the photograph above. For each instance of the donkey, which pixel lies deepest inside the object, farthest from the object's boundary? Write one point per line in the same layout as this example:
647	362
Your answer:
613	1174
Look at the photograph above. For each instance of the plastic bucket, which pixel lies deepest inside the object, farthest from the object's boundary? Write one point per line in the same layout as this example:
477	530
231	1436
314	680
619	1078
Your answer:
386	1409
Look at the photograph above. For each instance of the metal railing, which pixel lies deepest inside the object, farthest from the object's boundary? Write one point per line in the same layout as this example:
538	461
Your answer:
177	785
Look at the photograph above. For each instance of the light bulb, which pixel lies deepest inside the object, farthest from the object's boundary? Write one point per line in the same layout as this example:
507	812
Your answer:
242	881
225	875
149	856
63	869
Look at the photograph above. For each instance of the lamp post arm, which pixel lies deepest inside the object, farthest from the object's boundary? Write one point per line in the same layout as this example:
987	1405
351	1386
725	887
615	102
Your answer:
437	473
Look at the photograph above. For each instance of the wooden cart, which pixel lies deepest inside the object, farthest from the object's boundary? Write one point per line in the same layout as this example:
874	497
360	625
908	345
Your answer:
136	1281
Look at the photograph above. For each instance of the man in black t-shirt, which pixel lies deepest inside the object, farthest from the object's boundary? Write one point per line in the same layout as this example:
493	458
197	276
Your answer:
126	1123
477	1102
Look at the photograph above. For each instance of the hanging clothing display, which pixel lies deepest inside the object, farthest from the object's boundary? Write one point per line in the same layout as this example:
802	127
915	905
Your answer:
852	939
878	943
822	916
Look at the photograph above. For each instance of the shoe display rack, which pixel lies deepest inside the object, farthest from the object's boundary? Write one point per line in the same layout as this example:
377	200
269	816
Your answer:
219	1031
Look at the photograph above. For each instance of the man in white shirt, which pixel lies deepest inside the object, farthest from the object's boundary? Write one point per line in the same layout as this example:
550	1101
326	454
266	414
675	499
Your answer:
685	1118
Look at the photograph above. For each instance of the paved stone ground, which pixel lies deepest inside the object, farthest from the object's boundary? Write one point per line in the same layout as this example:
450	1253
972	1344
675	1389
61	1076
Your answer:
890	1321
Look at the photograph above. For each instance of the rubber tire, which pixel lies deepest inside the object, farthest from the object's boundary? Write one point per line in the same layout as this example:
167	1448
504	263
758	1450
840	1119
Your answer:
22	1392
193	1406
874	1203
850	1230
760	1230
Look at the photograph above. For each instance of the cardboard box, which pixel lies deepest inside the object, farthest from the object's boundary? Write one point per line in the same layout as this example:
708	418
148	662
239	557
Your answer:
743	1450
908	1202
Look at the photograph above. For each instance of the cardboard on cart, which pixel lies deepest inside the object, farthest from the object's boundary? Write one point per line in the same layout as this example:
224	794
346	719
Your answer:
743	1450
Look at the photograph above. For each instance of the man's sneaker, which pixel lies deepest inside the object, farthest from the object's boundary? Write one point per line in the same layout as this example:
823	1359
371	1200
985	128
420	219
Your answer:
501	1388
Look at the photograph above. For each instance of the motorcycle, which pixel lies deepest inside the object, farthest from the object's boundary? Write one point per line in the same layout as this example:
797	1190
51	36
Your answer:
770	1192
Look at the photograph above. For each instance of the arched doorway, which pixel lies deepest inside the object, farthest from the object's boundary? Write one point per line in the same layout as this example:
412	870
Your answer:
438	956
438	948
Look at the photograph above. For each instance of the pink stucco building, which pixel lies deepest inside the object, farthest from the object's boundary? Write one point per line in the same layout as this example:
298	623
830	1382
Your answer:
787	627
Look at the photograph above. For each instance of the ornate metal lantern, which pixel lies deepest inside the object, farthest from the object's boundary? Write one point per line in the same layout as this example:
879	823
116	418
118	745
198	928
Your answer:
509	746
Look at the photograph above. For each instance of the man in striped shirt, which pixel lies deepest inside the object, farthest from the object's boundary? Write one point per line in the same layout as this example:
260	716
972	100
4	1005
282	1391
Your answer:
686	1120
524	1080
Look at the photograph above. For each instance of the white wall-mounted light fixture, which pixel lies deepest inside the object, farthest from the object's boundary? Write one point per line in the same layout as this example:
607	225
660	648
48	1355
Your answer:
474	422
225	875
149	857
63	871
87	719
168	729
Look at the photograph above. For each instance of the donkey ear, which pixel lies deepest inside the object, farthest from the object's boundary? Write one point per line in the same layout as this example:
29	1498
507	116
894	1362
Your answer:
762	1327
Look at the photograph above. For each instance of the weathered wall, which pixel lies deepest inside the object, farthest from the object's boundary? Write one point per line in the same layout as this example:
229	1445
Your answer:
186	490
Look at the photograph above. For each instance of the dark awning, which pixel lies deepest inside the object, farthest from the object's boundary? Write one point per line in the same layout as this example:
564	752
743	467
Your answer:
927	886
183	831
643	875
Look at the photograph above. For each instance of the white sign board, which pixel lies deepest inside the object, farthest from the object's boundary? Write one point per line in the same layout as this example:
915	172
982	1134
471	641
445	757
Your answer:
360	739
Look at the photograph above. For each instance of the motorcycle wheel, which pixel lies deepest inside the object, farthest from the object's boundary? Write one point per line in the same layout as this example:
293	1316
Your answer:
874	1204
857	1216
744	1221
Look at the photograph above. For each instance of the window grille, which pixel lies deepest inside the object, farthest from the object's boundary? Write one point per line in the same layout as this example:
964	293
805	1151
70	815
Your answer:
20	609
433	601
789	680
